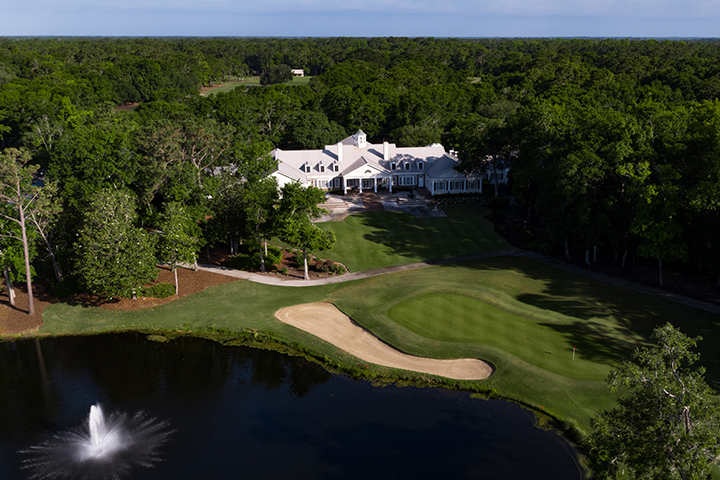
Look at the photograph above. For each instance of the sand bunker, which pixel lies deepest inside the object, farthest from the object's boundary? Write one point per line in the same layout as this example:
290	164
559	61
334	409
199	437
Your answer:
330	324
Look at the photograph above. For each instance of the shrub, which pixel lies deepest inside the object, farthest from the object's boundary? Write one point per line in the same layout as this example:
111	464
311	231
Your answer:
160	290
244	261
297	258
66	287
328	266
251	261
274	256
163	290
499	202
456	198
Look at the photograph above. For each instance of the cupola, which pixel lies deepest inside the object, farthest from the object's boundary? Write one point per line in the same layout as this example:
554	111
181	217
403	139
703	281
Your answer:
360	139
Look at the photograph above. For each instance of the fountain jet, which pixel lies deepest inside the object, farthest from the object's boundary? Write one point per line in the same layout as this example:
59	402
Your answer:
102	448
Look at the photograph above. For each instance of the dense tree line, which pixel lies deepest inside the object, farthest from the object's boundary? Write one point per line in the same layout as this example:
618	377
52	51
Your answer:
613	143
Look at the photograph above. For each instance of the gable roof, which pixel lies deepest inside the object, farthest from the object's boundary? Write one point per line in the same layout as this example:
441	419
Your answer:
349	158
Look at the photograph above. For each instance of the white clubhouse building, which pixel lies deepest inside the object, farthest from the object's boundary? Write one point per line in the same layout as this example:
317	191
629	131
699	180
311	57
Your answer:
355	164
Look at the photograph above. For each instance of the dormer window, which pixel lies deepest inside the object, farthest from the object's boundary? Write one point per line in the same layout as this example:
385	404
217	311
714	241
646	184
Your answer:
336	167
393	166
407	165
420	165
321	167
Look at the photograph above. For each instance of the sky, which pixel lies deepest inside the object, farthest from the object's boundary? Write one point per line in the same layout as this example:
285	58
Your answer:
362	18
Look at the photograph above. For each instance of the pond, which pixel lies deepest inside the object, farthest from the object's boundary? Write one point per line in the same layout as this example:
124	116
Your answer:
235	412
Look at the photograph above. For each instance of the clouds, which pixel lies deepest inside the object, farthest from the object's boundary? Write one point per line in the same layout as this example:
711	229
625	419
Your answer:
517	8
471	18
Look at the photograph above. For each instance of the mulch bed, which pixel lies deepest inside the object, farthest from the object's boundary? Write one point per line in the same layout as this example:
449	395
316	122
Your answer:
15	320
220	256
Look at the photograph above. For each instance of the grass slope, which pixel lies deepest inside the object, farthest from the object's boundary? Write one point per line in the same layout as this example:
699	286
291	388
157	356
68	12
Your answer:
251	82
380	239
521	315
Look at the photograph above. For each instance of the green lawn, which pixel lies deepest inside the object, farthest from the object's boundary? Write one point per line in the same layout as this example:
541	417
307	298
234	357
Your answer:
521	315
379	239
251	81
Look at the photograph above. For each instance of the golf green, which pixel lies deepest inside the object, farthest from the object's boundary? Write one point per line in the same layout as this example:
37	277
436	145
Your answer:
461	319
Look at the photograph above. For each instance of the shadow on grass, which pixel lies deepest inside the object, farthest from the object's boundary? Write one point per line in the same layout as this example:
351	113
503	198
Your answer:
607	323
464	231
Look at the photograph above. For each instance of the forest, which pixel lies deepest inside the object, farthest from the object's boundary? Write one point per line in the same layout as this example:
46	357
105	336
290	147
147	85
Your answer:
113	159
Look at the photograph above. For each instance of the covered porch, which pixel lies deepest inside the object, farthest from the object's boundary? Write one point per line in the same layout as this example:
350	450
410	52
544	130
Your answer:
367	184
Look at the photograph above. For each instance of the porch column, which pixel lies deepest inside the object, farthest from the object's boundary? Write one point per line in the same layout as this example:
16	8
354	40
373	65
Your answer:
360	184
375	184
344	185
390	183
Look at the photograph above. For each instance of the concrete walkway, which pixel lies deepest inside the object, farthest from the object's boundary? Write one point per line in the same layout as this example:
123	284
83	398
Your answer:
278	281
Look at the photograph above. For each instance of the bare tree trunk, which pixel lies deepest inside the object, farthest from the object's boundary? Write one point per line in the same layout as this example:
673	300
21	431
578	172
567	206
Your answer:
307	276
567	249
262	259
660	275
10	288
56	267
624	258
595	249
177	289
529	211
587	256
26	253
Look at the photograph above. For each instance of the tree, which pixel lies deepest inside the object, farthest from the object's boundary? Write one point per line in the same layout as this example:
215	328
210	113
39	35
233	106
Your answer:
668	425
312	130
113	256
276	74
259	201
45	219
179	238
298	207
18	194
483	145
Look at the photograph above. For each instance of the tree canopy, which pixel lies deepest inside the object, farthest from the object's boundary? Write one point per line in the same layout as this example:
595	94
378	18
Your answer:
667	424
612	144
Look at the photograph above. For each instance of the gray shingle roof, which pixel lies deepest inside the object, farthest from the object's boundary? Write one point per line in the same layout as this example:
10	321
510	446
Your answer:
435	159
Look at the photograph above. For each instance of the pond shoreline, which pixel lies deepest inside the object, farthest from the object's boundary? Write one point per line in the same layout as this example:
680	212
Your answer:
378	376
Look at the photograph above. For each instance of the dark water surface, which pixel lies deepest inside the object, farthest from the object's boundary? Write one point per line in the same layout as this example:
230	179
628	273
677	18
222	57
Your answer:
243	413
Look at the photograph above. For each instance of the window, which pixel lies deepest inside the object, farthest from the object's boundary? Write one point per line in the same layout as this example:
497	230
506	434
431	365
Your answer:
405	181
407	165
393	166
322	168
321	183
457	185
337	181
420	165
336	167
